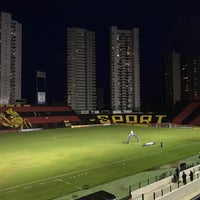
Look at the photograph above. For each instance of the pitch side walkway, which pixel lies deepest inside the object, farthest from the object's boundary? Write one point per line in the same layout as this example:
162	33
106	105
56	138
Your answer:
156	190
167	190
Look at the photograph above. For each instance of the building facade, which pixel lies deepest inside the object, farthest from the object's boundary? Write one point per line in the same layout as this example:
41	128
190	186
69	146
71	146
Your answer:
125	69
10	59
190	78
81	69
172	80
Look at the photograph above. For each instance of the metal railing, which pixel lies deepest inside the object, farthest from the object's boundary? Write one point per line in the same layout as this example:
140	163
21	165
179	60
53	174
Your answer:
163	189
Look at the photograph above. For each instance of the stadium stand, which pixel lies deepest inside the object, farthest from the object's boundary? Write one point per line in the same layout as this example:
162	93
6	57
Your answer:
193	117
37	116
189	115
15	117
196	121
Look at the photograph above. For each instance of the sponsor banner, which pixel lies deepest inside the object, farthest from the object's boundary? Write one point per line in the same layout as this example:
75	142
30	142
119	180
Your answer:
41	98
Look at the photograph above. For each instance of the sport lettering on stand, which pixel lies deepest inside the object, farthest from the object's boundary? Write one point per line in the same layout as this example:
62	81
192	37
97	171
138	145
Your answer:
131	119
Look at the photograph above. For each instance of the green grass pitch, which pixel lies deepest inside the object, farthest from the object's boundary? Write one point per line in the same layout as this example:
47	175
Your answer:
46	164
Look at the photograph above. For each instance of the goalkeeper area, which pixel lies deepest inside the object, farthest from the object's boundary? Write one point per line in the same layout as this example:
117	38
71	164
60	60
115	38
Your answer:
51	163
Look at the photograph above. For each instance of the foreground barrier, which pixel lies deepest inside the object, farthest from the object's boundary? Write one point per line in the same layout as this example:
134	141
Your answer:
165	189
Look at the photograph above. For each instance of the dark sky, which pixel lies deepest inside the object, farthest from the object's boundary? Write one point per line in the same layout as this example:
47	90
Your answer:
165	26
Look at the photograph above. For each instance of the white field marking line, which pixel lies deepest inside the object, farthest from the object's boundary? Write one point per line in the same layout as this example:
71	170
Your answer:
80	188
57	180
42	183
10	191
27	187
79	171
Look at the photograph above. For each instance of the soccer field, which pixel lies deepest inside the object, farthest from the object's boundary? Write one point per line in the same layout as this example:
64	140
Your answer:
46	164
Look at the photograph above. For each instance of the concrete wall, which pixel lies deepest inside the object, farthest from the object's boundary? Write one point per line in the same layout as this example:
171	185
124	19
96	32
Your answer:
185	192
153	191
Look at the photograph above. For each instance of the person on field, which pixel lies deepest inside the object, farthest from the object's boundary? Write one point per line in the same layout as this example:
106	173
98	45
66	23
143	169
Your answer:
132	134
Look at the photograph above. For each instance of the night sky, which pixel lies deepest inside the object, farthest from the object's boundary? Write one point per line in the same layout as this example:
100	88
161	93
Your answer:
165	26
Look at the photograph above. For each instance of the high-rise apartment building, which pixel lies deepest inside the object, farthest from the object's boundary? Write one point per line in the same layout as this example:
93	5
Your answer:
125	69
10	59
81	69
190	78
172	80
